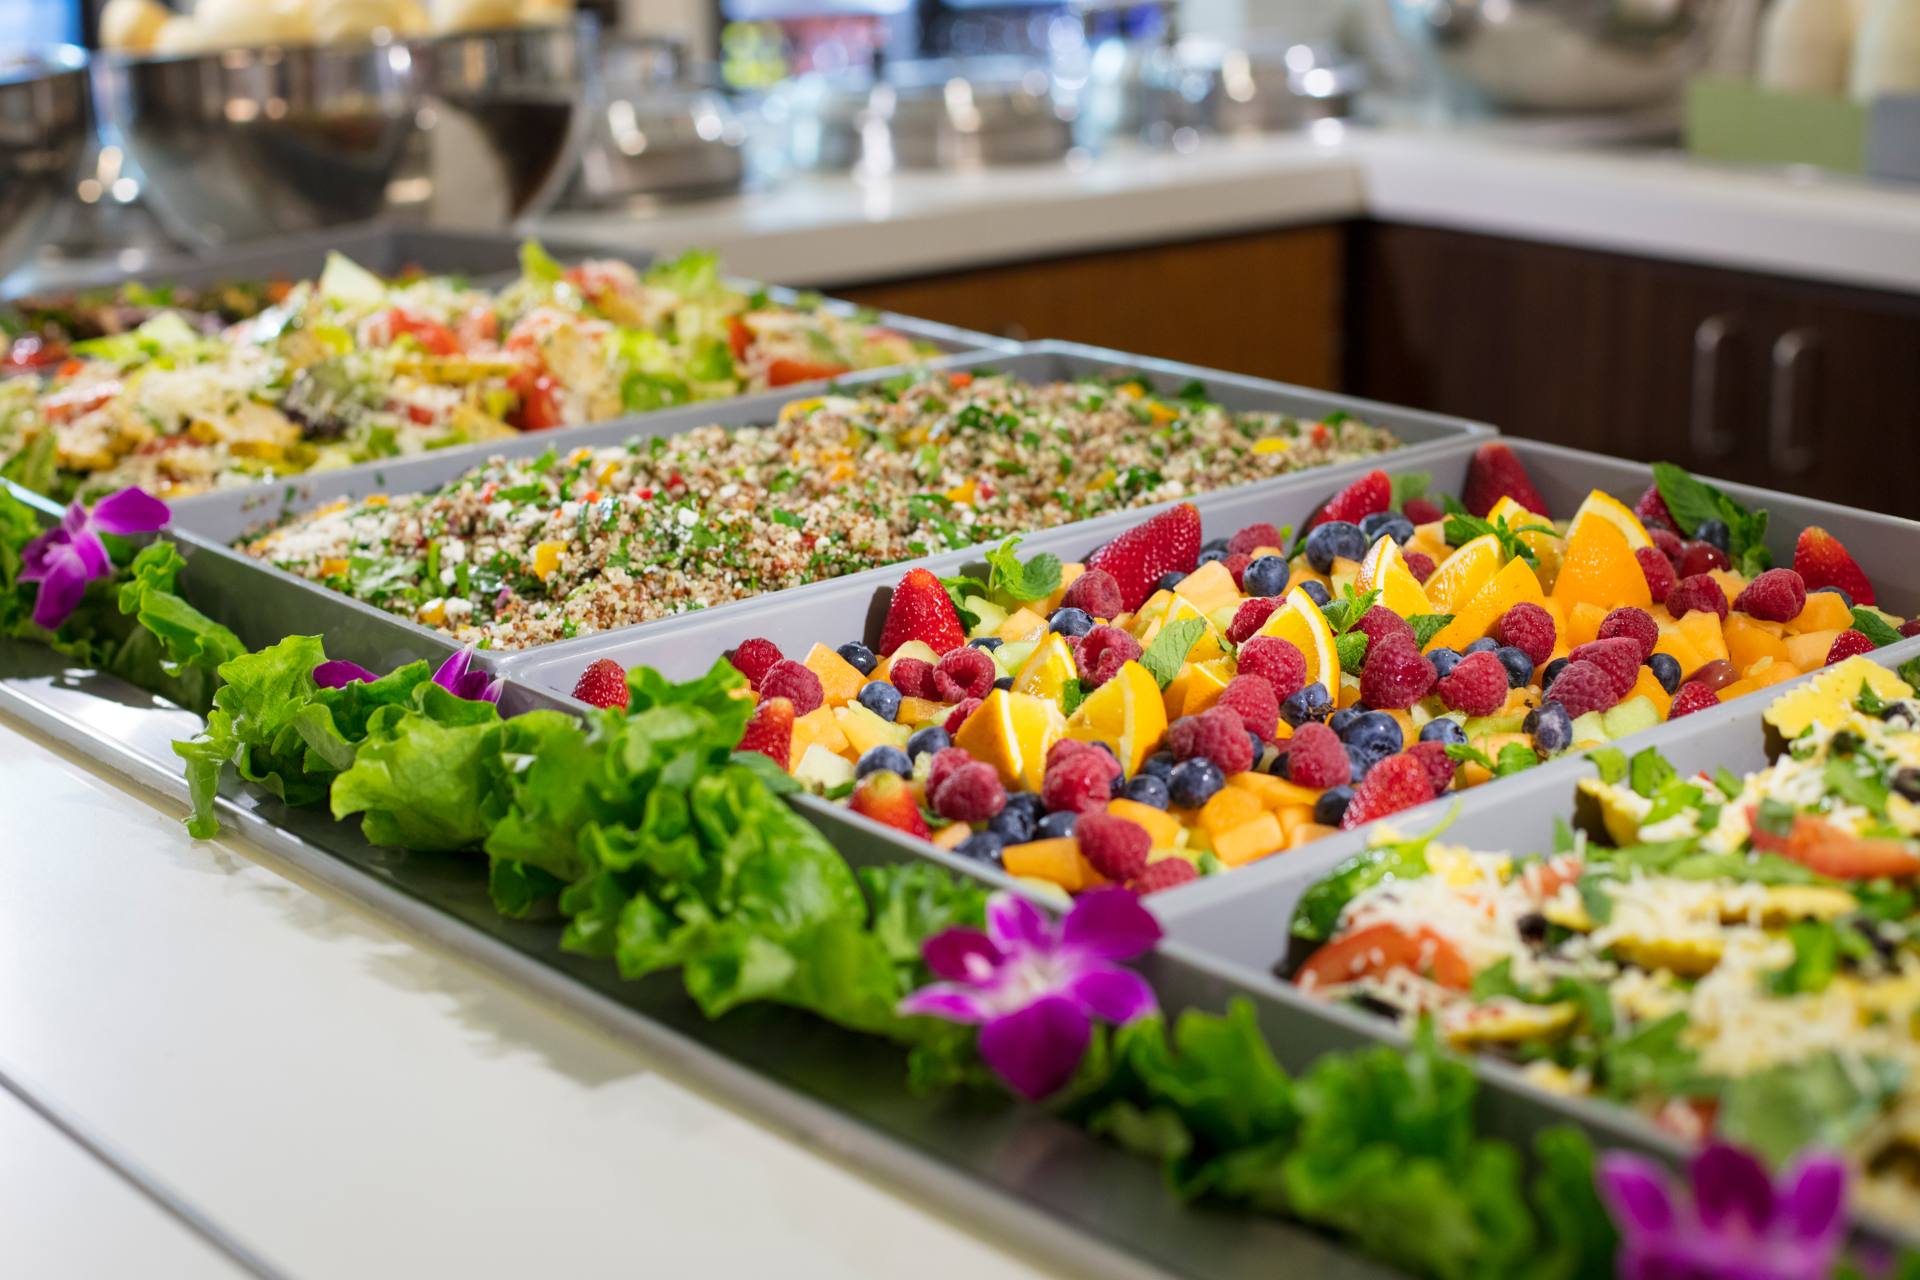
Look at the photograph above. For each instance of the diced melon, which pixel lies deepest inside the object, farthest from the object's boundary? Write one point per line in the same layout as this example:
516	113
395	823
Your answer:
1230	807
1631	716
992	617
1291	816
817	726
914	649
1824	611
1069	574
1014	654
1162	826
1647	685
1273	792
1748	643
822	768
916	711
1209	587
840	680
1589	728
1583	624
1808	650
1308	832
865	730
1255	838
1730	582
1057	860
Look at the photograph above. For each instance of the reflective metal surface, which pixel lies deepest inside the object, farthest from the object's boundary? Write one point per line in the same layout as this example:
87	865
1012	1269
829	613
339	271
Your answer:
942	113
1248	84
45	124
655	131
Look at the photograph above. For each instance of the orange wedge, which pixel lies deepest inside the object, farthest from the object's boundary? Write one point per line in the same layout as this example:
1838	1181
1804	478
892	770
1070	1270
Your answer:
1463	573
1210	644
1012	731
1474	619
1386	568
1300	620
1127	714
1604	506
1047	671
1546	545
1599	569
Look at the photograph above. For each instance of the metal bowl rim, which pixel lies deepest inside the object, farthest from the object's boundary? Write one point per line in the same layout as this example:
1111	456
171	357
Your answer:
35	62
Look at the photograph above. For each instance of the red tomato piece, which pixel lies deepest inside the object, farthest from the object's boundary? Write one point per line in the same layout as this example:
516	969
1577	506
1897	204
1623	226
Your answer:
1381	948
539	400
481	324
433	337
1820	846
783	373
739	337
959	381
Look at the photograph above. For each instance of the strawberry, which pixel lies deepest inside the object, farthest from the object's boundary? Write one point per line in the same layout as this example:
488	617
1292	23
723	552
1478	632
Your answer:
922	610
1398	782
1495	473
1370	494
1140	557
1420	511
1821	561
884	796
770	731
1654	507
604	684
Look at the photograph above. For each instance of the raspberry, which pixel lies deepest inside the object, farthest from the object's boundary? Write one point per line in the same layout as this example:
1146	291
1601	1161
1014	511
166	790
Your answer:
1080	783
1253	536
1634	624
1698	594
1252	699
913	677
1849	643
1528	628
1778	595
1065	749
1582	687
1693	696
1237	566
1477	685
1658	570
945	763
788	679
1252	616
1318	758
604	684
1654	507
1420	565
1669	543
1439	765
1096	593
754	658
1117	847
1381	622
1279	662
1421	511
1396	676
1168	873
971	793
1218	735
959	715
1618	659
1101	653
1398	782
964	673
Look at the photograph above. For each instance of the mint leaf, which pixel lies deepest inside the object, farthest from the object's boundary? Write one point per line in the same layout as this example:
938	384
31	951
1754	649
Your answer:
1412	484
1649	772
1352	648
1428	625
1513	758
1344	615
1693	501
1072	694
1612	763
1874	627
1464	754
1462	528
1170	648
1035	580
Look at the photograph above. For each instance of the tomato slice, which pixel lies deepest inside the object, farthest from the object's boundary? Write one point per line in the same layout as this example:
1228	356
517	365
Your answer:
539	400
433	337
30	354
1380	948
479	325
739	337
784	373
1820	846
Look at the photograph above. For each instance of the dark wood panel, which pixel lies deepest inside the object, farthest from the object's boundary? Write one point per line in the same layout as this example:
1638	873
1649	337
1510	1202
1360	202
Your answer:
1267	304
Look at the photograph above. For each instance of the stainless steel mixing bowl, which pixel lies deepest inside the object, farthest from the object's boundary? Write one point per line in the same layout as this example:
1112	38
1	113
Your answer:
45	123
1565	55
250	143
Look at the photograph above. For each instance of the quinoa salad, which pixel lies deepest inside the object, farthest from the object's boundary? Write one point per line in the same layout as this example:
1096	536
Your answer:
177	393
519	553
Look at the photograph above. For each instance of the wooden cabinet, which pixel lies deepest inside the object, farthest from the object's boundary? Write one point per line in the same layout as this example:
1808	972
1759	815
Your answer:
1267	304
1809	388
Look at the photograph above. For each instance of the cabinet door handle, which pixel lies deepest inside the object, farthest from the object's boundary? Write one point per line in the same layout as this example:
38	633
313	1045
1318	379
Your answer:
1703	431
1793	360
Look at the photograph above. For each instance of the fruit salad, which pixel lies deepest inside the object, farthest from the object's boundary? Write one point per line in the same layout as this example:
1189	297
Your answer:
519	553
1739	955
1206	704
181	394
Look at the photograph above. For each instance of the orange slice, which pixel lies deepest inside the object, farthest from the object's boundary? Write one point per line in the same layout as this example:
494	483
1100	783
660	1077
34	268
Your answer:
1546	545
1012	731
1474	619
1386	568
1599	569
1463	573
1210	645
1300	620
1604	506
1127	714
1046	672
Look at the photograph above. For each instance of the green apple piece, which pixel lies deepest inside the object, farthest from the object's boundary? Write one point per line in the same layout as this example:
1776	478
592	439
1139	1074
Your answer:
1630	717
1590	727
821	770
991	617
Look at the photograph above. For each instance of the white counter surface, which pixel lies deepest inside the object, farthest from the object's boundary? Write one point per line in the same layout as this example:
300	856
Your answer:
826	230
347	1105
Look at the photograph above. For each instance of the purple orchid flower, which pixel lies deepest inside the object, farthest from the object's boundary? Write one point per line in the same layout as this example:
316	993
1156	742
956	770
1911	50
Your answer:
1736	1223
64	559
1033	988
453	676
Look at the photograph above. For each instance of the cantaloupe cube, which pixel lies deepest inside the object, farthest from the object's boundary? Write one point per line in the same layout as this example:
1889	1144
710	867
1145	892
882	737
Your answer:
1730	582
1647	685
1748	644
1308	832
1291	816
1472	773
1252	839
1694	641
1208	588
1058	860
919	711
1304	572
818	726
1021	624
1808	650
1583	624
840	680
1824	611
1229	808
1558	612
1273	792
950	836
1161	825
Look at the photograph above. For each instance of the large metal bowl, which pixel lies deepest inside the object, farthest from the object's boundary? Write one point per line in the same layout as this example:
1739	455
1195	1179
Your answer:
250	143
656	132
45	123
1564	55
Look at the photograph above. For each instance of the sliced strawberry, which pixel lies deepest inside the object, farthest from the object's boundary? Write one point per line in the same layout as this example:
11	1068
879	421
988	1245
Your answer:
922	610
1821	561
1398	782
1496	473
1371	494
770	731
884	796
1140	557
604	684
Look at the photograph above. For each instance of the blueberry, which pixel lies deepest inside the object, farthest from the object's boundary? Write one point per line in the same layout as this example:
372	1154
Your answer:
1281	768
1345	716
1148	790
859	657
1552	672
1216	544
1376	733
880	698
1444	661
1443	729
1332	806
1004	682
1391	523
1551	727
1259	747
1519	666
1217	553
885	756
1194	782
1837	591
1056	825
1335	540
1026	802
1359	761
1317	592
1266	576
1485	644
931	740
1715	531
1070	622
1311	703
984	845
1015	826
989	643
1168	581
1666	669
1159	764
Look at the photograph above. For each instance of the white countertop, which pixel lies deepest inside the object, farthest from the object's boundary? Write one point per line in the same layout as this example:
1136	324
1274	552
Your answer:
832	230
347	1105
